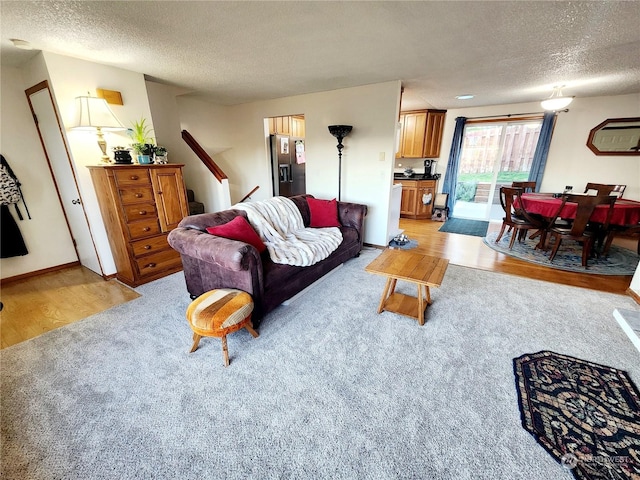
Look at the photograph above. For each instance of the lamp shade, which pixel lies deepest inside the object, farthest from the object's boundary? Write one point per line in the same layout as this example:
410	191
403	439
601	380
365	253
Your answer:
340	131
93	113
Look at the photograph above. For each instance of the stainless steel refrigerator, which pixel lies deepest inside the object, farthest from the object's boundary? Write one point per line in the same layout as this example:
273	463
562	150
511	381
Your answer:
287	165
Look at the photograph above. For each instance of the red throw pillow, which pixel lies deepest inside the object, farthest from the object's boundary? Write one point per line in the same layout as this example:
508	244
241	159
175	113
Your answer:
324	213
239	229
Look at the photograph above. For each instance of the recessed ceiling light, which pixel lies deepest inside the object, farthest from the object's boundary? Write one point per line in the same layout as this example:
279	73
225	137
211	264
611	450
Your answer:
21	44
466	96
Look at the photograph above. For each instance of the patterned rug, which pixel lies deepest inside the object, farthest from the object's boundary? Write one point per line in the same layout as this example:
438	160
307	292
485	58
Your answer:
477	228
587	416
620	261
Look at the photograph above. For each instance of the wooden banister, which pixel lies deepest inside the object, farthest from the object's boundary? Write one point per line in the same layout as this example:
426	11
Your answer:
248	195
204	156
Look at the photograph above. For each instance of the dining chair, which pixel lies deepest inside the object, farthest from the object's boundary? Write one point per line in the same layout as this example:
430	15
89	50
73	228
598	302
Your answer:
527	187
515	215
580	230
606	189
624	231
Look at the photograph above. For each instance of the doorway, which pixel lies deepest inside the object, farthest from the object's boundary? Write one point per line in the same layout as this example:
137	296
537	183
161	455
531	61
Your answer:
55	149
494	154
287	155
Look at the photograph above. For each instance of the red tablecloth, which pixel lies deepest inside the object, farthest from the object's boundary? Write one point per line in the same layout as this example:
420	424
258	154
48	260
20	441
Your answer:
625	212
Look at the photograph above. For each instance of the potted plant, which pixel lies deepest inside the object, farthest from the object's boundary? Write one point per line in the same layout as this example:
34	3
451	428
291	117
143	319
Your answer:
142	136
161	154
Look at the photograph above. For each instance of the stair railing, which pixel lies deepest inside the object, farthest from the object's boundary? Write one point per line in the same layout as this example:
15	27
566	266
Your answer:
248	195
204	157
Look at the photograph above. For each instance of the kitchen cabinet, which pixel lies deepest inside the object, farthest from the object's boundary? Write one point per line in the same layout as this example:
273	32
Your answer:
421	133
413	192
140	205
433	133
297	126
290	125
280	125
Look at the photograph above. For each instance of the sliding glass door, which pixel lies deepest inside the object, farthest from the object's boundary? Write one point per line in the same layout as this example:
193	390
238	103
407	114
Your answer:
493	154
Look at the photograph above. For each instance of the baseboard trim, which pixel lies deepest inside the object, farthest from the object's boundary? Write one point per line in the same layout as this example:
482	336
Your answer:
633	294
35	273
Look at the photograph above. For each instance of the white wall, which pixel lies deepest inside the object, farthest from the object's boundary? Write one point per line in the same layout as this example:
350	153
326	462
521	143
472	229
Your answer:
235	137
570	162
70	78
46	234
367	160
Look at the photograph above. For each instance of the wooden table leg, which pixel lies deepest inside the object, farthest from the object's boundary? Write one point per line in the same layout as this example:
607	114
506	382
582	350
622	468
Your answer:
393	286
420	306
385	292
428	294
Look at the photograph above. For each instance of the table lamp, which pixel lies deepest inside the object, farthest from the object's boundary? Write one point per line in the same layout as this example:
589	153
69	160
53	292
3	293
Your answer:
93	113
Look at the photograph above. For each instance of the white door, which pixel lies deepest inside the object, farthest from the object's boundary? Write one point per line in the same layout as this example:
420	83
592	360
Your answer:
64	177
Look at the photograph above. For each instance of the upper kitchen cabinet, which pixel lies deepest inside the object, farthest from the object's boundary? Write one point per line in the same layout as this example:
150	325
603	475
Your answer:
433	134
297	126
290	125
421	133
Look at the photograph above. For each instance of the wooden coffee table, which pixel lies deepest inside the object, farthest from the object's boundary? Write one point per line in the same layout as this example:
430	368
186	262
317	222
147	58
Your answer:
417	268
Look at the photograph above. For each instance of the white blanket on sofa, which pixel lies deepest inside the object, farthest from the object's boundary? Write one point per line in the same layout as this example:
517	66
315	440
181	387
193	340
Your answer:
279	223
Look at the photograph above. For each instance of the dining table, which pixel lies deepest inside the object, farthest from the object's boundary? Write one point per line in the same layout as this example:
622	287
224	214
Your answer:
625	212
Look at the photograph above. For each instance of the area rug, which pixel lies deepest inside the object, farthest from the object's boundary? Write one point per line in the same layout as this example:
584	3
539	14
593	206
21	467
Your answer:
476	228
586	415
620	261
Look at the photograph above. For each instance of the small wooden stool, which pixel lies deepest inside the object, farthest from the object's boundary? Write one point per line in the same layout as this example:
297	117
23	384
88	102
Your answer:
218	313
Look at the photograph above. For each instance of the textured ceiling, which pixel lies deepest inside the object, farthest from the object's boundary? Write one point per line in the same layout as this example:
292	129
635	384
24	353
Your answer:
239	52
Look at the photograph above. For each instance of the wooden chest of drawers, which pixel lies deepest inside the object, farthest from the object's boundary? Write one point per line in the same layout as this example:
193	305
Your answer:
140	205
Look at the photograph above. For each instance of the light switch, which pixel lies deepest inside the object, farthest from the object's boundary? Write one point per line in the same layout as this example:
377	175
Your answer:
381	156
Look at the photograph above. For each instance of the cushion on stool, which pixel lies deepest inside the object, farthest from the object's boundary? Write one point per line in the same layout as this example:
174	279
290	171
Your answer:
220	309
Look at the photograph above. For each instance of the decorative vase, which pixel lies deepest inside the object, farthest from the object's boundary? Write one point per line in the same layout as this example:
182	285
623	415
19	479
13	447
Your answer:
144	159
161	159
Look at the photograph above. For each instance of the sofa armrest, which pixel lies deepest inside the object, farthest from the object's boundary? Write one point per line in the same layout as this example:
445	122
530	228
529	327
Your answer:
229	254
352	215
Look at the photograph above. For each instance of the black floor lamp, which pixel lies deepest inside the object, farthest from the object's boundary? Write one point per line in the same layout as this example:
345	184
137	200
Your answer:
339	131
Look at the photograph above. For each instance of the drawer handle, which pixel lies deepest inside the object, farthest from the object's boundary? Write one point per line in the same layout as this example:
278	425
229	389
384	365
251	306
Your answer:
134	177
147	247
142	212
146	229
138	195
150	265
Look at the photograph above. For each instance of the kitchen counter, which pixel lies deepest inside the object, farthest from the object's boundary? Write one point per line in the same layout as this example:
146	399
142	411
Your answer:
415	176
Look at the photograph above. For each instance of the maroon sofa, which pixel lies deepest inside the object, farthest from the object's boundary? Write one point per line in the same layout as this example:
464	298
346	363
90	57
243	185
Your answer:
211	262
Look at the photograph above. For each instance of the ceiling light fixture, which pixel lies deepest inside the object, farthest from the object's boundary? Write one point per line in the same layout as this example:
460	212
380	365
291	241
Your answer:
21	44
556	101
466	96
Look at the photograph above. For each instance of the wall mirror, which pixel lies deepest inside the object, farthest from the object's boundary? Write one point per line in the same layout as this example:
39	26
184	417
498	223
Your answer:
616	136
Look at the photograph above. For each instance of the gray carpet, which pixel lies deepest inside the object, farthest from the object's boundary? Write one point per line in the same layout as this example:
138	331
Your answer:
329	390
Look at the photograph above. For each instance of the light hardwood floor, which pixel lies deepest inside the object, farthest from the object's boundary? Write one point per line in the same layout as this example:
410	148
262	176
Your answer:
36	305
469	251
